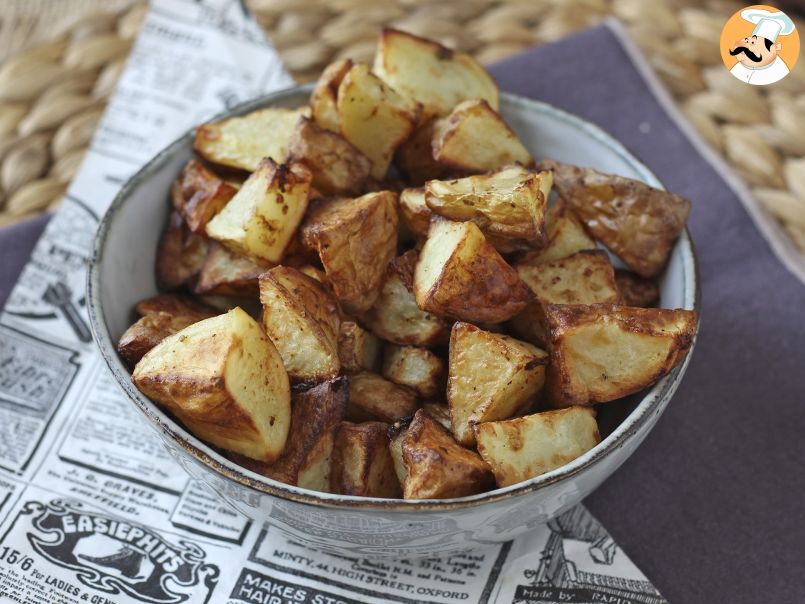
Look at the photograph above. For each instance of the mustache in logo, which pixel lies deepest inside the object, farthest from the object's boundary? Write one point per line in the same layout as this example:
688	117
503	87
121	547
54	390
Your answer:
743	49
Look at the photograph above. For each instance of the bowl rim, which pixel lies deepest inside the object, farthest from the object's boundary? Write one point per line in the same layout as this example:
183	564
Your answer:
652	403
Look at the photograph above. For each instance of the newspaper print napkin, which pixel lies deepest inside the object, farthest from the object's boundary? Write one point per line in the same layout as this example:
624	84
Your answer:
92	509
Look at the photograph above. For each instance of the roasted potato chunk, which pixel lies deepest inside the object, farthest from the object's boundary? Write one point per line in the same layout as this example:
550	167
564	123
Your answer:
199	194
362	463
433	465
508	204
415	212
637	222
222	378
374	117
566	236
462	276
225	273
603	352
262	217
440	413
324	100
414	158
490	377
355	240
303	322
180	255
416	368
358	349
426	71
149	331
634	290
244	142
372	397
338	168
176	305
474	138
525	447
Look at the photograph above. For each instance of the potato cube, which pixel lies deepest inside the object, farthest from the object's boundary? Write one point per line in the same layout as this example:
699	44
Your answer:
462	276
417	368
362	463
149	331
244	142
355	240
225	273
635	290
414	158
302	320
490	377
566	236
358	349
603	352
439	412
525	447
374	117
176	305
180	255
223	379
324	99
199	194
262	217
373	398
474	138
415	212
436	76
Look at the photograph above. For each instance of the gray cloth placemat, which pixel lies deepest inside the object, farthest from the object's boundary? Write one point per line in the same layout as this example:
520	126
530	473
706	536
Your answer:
710	507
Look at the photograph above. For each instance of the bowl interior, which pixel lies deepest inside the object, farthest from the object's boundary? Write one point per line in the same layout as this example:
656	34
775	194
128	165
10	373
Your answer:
122	270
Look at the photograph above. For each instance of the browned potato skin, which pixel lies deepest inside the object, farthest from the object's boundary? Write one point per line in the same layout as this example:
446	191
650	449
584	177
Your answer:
199	194
175	304
149	331
634	290
180	255
637	222
225	273
436	466
414	212
323	100
337	166
362	465
358	349
355	240
372	397
414	158
415	368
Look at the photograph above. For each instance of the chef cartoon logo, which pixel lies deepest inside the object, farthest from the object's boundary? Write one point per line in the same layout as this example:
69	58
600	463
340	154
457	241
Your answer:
115	556
760	45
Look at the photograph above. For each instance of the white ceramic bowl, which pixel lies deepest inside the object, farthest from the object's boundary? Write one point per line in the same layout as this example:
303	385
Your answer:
121	272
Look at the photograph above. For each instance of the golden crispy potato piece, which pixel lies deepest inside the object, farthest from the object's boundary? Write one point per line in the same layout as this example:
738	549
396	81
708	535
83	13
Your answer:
603	352
396	317
323	100
566	236
436	76
506	204
149	331
433	465
223	378
362	464
176	305
439	412
635	290
414	158
584	278
525	447
372	397
415	212
243	142
637	222
358	349
474	138
225	273
262	217
180	255
462	276
374	117
199	194
355	240
337	166
417	368
302	320
490	377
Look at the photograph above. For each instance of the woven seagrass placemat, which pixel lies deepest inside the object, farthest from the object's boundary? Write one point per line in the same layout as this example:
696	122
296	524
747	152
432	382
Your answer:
61	58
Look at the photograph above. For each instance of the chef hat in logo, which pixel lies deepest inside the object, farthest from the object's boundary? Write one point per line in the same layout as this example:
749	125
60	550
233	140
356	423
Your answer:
768	24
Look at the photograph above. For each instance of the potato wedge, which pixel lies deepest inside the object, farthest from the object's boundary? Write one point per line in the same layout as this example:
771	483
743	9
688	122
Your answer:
355	240
372	397
222	378
303	321
338	168
362	464
439	412
460	275
635	290
436	76
174	304
244	142
374	117
324	99
225	273
416	368
262	217
508	204
199	194
637	222
149	331
358	349
433	465
603	352
566	236
415	212
180	255
490	377
474	138
525	447
414	158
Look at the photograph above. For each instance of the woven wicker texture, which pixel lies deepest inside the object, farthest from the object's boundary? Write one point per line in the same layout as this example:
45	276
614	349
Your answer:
53	92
